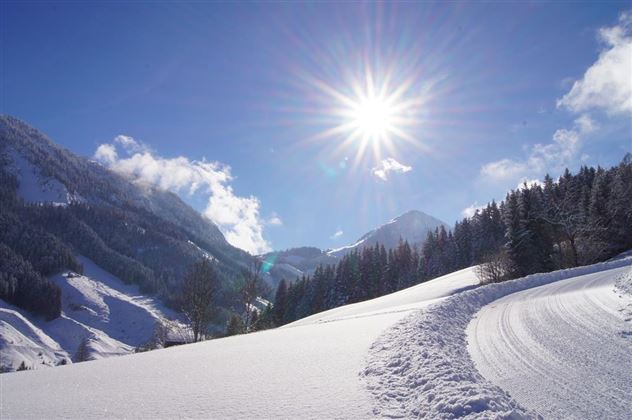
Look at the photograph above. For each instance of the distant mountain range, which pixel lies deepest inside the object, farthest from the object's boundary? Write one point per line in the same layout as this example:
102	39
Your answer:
412	226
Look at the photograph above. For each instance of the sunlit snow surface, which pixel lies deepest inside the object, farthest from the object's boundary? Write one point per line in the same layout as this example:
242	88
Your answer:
572	338
401	355
108	316
306	370
35	188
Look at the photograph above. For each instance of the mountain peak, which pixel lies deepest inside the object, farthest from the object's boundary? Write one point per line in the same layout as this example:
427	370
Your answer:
412	226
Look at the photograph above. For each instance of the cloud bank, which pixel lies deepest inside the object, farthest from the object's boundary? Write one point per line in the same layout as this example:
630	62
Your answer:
388	165
605	86
237	217
560	153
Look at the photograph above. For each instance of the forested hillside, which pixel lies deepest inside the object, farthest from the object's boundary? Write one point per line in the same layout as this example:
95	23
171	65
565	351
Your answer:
140	234
578	219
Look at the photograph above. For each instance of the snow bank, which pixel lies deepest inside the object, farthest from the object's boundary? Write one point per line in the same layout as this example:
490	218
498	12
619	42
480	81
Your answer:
422	368
624	283
624	286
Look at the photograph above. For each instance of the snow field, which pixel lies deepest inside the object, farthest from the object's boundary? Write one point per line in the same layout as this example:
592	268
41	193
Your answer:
306	370
559	349
421	367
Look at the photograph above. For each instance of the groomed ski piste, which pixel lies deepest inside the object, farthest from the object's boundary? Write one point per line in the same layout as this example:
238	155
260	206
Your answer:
442	349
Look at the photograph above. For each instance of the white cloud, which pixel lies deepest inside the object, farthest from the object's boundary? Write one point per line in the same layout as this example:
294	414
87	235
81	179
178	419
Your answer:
337	234
607	84
388	165
529	182
274	220
237	217
560	153
130	144
106	154
503	169
586	124
471	210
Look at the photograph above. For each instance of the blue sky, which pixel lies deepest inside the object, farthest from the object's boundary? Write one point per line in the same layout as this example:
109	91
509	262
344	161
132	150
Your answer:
231	105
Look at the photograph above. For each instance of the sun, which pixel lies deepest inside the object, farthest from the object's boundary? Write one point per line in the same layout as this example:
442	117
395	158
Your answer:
373	118
367	115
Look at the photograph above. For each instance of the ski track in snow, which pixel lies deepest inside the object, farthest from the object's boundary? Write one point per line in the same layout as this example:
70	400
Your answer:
421	368
561	349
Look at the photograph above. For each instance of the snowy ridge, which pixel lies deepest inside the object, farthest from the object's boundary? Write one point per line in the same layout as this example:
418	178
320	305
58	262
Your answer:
335	251
421	367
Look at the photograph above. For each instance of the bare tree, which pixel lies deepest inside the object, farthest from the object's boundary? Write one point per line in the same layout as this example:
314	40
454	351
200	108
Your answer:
198	292
250	288
493	269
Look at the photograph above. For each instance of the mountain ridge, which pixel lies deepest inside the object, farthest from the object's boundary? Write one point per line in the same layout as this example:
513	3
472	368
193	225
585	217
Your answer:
412	226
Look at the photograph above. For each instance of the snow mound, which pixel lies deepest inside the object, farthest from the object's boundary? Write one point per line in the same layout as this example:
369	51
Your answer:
421	367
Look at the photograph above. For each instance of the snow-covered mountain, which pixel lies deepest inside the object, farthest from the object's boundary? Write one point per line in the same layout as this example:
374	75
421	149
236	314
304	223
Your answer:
412	226
62	213
47	172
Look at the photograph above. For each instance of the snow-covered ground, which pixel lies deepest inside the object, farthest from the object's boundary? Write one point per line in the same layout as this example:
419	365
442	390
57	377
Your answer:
101	317
421	367
306	370
401	355
563	349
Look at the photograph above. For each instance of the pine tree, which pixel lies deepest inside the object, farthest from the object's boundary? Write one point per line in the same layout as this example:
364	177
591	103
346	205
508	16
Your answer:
280	303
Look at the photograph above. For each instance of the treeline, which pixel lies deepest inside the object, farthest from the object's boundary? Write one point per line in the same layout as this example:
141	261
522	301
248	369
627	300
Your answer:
27	255
579	219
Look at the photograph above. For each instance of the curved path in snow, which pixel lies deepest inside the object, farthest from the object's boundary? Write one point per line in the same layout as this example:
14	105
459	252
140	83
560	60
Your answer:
559	349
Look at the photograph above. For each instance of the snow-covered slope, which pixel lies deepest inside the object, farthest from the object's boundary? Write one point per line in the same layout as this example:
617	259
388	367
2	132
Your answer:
306	370
23	342
34	187
101	317
563	349
402	355
421	367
